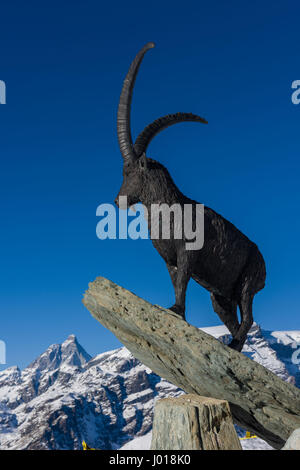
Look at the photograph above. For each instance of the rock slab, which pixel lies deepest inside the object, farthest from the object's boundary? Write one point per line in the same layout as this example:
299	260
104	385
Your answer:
192	422
196	362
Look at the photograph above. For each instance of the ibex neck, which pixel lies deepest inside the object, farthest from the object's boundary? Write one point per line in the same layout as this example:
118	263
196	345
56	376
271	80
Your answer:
162	194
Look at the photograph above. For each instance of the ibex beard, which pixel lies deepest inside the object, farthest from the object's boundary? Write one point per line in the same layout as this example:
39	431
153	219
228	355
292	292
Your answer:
228	265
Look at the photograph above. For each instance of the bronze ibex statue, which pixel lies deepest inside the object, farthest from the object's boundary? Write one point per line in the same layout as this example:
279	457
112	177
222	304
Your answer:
229	265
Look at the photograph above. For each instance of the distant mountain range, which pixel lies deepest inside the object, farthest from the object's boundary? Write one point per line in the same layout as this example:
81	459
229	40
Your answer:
65	396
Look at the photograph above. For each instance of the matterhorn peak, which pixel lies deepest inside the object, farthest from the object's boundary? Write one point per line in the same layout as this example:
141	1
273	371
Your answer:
72	353
71	338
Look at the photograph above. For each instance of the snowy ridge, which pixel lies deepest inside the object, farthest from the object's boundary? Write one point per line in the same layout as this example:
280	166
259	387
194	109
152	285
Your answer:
66	396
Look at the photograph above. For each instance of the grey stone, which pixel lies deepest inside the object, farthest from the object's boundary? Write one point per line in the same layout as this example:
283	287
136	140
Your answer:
191	422
293	442
196	362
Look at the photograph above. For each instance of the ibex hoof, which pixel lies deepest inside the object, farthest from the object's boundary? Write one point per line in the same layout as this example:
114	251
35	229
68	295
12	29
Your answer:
179	310
236	345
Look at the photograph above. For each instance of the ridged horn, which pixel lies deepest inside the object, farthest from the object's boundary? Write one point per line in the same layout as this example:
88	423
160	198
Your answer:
123	120
145	137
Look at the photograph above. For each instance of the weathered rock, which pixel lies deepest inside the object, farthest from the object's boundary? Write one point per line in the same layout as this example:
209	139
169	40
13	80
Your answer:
198	363
191	422
293	442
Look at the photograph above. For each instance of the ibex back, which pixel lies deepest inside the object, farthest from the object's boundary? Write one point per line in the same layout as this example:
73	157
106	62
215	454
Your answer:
229	265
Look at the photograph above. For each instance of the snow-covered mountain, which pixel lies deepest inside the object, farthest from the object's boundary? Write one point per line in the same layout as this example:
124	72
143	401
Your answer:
65	396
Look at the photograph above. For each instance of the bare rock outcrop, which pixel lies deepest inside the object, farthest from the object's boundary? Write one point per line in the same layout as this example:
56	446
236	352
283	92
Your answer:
196	362
191	422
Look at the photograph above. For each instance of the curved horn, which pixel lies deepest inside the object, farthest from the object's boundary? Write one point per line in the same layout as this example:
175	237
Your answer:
123	120
145	137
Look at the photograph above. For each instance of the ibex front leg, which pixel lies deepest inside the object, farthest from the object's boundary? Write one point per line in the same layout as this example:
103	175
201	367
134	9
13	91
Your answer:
180	277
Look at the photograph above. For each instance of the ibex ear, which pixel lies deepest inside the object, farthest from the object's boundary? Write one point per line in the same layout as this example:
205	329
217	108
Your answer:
143	164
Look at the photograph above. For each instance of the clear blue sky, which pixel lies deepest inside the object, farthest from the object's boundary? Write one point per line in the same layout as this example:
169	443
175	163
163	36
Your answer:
63	63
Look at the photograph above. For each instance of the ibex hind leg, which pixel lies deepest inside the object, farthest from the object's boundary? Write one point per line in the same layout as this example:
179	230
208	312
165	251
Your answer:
252	280
245	306
227	311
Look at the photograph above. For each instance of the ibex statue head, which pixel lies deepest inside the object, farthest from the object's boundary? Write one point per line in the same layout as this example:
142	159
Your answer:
138	170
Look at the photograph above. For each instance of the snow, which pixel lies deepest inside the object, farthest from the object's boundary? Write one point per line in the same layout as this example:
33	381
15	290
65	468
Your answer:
144	443
139	443
255	444
216	331
286	337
